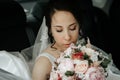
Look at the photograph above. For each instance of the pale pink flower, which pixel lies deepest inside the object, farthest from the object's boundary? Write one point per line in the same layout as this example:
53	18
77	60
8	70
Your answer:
68	78
53	75
81	66
95	73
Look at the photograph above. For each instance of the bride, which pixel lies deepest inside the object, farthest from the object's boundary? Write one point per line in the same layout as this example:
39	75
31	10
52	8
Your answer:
63	27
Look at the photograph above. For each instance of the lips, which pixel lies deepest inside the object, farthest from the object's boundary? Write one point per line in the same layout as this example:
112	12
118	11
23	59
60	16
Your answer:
67	45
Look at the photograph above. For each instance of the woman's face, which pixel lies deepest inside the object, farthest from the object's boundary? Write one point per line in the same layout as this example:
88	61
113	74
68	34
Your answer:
65	29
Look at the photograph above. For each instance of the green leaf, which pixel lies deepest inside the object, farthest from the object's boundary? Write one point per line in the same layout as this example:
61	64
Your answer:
110	56
69	73
86	57
67	56
105	63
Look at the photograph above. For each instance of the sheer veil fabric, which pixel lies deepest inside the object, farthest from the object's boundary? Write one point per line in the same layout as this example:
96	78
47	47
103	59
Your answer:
12	65
42	40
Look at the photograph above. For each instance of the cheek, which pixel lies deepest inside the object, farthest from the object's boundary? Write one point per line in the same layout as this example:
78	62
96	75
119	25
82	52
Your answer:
57	37
75	36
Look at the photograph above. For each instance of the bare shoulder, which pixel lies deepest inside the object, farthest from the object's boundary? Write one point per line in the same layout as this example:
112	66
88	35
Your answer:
41	69
42	62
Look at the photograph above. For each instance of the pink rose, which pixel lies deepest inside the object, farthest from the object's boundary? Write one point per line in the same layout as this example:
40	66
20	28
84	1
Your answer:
71	78
68	78
95	73
81	66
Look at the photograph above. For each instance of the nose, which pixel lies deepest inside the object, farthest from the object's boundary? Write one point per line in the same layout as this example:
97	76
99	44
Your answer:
67	36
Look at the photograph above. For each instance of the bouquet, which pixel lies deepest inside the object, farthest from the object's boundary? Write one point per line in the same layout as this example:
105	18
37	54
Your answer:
80	62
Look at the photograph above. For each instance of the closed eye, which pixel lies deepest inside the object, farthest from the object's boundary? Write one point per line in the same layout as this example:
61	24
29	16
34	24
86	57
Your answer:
73	27
59	30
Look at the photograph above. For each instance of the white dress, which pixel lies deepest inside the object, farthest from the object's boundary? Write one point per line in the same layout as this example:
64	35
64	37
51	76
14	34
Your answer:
13	66
4	75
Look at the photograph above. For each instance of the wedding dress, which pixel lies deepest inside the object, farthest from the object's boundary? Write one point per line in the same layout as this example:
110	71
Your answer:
13	66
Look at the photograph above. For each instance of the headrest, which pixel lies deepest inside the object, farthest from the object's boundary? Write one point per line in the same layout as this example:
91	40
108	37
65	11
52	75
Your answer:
11	14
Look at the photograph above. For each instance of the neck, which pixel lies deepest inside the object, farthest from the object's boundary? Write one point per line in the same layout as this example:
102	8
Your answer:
55	47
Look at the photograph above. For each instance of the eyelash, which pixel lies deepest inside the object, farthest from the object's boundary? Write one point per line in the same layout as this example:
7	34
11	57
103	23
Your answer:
72	29
59	30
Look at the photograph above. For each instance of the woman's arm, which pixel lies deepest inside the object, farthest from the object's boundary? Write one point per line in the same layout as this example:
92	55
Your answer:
41	69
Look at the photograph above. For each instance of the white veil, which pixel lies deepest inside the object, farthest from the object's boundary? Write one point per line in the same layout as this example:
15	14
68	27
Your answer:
42	40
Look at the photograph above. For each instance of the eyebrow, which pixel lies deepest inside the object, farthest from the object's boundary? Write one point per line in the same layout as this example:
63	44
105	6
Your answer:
68	26
72	24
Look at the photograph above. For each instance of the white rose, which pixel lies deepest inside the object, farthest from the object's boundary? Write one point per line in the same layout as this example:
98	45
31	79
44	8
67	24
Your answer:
66	65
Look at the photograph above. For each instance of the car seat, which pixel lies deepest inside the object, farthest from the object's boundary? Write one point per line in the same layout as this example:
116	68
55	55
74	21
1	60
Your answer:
101	29
13	36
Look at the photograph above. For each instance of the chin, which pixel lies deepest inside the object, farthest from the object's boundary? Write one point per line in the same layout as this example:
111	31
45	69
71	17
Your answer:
65	48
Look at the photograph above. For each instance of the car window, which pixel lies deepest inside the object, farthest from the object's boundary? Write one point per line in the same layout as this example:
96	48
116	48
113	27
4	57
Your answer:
27	5
25	0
